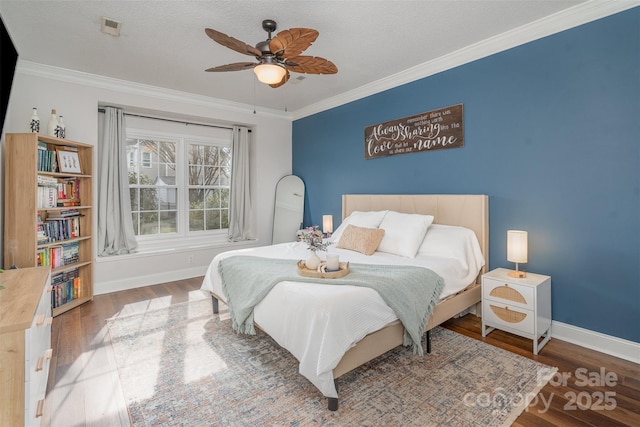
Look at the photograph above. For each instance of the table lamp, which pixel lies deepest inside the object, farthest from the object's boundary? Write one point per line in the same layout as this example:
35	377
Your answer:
517	241
327	224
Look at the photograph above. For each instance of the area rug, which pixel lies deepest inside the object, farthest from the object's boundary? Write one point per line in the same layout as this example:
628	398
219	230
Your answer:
183	365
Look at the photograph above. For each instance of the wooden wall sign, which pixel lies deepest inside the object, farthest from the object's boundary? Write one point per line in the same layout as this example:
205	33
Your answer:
433	130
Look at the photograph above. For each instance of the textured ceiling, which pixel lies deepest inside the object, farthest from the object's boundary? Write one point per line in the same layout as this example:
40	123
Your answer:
163	43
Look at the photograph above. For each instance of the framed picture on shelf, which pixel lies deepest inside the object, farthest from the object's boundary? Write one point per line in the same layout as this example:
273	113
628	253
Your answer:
68	162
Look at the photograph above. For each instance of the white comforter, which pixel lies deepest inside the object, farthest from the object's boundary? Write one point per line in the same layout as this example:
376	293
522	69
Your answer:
319	323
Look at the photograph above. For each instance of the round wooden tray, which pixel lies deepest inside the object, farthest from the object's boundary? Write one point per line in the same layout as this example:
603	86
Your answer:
306	272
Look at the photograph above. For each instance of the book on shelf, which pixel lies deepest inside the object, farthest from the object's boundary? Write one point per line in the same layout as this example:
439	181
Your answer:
62	203
47	181
66	287
47	159
57	229
41	234
69	189
62	214
59	256
47	197
58	192
66	147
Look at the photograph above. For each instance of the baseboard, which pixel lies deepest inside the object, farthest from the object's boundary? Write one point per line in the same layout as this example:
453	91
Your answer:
148	280
603	343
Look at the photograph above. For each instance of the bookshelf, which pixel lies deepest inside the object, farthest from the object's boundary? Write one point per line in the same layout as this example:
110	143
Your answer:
48	217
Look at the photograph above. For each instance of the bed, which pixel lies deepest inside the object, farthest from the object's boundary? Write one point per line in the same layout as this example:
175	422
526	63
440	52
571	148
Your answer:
316	323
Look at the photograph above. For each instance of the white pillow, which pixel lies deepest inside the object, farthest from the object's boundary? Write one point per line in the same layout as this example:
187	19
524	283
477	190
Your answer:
370	219
403	233
450	241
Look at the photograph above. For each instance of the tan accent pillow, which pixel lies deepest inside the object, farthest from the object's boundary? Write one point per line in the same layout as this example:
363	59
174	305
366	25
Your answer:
361	239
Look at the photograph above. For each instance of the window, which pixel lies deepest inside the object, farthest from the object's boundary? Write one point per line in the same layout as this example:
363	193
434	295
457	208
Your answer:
146	159
209	178
179	186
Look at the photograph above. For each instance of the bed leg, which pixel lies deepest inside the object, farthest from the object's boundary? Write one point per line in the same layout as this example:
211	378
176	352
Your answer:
429	341
333	401
216	308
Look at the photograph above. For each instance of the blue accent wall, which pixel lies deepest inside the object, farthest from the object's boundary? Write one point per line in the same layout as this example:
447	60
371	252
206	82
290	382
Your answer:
552	135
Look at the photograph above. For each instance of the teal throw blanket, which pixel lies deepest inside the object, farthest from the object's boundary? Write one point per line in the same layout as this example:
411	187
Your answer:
410	291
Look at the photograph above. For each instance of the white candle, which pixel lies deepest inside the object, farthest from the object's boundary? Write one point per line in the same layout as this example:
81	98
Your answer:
333	262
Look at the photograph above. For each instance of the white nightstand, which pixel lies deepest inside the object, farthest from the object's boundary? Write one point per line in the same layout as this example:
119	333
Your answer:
520	306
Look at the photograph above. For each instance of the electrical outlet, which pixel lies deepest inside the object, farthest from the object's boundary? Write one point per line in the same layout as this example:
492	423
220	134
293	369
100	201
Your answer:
190	260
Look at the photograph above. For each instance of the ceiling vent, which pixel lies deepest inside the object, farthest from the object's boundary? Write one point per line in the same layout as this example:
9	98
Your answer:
111	27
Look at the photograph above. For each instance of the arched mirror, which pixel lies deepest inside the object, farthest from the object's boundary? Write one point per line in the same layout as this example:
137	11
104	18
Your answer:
289	209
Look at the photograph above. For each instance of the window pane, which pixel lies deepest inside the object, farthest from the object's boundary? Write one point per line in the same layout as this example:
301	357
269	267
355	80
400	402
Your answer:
168	171
211	175
148	223
147	176
225	218
147	145
213	199
224	198
194	154
168	222
167	152
133	196
196	198
132	150
148	199
196	220
225	176
167	198
210	155
225	157
133	174
213	219
195	175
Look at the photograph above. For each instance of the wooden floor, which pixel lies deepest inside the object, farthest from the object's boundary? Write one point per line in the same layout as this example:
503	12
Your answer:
84	389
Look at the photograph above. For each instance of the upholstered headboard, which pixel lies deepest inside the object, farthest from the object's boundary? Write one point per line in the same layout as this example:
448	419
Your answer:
466	210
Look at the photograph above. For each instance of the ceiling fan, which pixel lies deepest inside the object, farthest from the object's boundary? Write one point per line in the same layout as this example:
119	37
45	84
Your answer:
276	56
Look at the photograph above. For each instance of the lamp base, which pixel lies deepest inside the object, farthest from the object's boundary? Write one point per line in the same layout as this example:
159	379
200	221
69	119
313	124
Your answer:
517	274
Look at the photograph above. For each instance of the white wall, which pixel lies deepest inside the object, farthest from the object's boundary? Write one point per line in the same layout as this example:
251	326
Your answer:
76	96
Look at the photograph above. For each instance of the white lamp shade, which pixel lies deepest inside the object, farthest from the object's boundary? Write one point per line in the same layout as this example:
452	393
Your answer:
270	73
327	223
517	246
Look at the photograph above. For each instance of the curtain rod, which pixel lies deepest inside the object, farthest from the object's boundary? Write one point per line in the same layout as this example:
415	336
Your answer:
101	110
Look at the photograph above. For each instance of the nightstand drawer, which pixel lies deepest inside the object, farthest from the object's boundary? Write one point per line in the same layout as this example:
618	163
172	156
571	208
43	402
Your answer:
505	316
508	292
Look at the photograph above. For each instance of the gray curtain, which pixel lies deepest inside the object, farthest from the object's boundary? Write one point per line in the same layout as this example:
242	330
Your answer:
240	197
115	226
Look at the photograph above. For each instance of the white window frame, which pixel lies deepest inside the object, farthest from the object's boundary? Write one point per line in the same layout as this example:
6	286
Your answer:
183	237
200	141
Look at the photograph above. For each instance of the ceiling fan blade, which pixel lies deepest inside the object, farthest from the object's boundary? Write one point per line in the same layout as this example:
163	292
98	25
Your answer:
283	81
236	66
292	42
311	65
231	43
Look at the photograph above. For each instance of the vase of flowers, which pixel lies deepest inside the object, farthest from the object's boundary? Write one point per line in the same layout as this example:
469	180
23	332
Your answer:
312	236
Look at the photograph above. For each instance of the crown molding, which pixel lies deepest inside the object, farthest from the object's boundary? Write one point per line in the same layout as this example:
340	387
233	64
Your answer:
569	18
117	85
561	21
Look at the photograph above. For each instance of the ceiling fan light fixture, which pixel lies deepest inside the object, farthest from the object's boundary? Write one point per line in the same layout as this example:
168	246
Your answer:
270	73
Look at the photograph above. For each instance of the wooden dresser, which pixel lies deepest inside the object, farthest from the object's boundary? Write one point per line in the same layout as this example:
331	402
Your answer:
25	344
